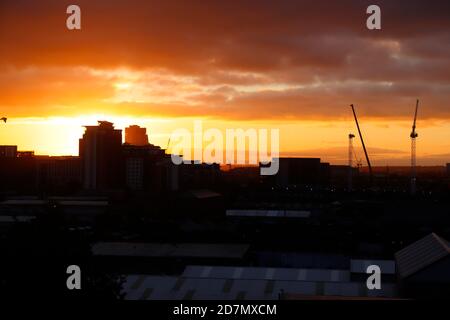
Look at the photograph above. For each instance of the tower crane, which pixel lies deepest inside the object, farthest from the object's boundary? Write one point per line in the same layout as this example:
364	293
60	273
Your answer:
413	137
362	142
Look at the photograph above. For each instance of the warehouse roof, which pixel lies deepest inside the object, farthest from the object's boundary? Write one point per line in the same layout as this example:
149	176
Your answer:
421	254
360	266
263	273
170	250
141	287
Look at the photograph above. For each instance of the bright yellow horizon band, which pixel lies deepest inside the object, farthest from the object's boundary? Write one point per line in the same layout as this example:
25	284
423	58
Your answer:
388	141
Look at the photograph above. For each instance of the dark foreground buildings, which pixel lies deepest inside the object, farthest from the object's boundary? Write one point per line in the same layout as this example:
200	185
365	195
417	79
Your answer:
17	169
424	267
419	270
136	166
311	172
104	165
199	232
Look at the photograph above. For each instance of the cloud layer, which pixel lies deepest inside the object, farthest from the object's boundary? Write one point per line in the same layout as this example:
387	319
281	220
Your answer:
226	59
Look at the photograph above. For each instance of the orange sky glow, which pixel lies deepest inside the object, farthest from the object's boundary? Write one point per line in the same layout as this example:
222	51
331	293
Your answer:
287	65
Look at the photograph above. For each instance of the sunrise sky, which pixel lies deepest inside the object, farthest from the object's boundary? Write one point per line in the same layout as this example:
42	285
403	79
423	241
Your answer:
292	65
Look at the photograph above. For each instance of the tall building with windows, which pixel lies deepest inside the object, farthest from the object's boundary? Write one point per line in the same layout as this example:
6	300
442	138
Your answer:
100	153
134	173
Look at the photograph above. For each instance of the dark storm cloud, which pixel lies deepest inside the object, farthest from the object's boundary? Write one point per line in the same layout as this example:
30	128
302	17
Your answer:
322	47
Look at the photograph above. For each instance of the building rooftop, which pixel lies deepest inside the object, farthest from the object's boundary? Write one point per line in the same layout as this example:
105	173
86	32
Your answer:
170	250
142	287
24	202
91	203
308	260
263	273
269	213
360	266
421	254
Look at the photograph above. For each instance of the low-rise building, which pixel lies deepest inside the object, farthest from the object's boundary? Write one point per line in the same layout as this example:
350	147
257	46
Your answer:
424	267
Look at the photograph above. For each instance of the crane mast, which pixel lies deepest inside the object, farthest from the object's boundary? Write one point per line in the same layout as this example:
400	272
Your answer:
413	137
362	142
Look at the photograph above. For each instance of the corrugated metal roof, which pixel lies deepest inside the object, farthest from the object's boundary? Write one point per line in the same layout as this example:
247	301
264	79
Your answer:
421	254
24	202
269	213
138	287
261	273
169	250
360	266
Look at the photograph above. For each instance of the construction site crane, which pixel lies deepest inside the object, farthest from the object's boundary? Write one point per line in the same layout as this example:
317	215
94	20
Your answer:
413	137
362	142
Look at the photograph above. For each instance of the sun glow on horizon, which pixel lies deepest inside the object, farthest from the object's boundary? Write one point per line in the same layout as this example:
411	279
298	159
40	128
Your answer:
388	144
60	135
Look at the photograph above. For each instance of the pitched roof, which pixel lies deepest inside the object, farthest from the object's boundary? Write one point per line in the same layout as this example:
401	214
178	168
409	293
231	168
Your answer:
421	254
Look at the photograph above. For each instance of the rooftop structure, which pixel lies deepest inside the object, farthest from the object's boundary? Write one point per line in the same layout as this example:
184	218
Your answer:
136	136
141	287
422	255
